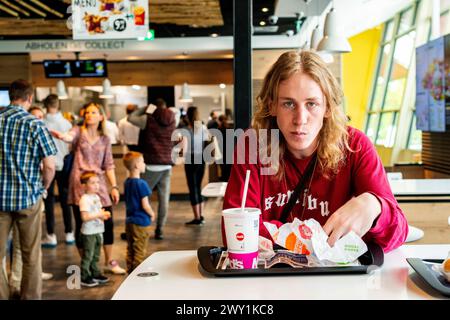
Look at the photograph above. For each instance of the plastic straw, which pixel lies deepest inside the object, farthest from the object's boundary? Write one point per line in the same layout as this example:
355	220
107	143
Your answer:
244	196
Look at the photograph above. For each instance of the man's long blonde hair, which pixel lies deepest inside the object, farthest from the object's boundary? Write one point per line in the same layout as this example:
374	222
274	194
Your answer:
333	137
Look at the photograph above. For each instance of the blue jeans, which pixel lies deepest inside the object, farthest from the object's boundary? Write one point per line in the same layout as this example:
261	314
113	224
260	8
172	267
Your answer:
160	180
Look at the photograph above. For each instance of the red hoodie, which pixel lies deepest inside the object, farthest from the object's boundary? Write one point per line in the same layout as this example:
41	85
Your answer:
363	172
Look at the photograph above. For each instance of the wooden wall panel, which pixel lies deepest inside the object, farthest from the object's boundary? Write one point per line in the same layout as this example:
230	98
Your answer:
150	73
436	151
12	67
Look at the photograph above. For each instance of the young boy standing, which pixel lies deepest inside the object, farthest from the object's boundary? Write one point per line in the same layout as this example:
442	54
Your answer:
139	212
92	215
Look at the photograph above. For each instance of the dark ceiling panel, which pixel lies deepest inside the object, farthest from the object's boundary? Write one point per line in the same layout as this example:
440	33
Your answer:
282	25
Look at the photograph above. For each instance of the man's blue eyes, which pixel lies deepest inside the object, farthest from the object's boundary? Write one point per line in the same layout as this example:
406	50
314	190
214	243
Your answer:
291	105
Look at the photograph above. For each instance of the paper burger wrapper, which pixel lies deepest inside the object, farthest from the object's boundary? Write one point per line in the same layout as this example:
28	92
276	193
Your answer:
308	237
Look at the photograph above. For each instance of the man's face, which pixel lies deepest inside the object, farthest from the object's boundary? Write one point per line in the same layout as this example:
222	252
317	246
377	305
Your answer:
300	111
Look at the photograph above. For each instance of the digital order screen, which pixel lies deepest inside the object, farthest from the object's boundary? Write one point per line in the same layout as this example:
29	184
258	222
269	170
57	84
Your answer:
75	68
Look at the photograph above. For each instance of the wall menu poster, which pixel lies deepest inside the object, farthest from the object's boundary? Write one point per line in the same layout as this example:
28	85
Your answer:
430	86
422	109
109	19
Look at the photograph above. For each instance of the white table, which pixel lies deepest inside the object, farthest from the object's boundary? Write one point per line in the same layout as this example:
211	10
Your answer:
421	188
179	278
400	188
214	189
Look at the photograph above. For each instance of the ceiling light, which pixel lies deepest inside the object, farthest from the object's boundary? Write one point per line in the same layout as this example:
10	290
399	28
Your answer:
61	90
222	86
136	87
316	37
185	93
265	9
106	93
262	23
333	40
214	35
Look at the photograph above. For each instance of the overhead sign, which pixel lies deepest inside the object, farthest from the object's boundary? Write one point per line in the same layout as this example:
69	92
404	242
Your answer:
109	19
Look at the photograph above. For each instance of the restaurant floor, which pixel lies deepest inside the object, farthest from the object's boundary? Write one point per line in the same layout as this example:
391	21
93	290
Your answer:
431	217
177	236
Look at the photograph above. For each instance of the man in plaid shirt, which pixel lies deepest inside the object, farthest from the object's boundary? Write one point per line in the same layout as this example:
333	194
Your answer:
25	143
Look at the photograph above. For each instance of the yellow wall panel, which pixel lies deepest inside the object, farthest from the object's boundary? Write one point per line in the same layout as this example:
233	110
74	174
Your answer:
358	71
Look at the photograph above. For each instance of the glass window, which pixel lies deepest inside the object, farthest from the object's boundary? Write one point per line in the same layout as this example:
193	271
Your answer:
406	20
394	63
445	5
403	52
415	136
389	30
381	79
386	132
444	24
372	126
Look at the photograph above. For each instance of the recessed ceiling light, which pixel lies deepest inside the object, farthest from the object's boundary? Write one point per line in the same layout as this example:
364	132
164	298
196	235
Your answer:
222	86
262	23
214	35
265	9
136	87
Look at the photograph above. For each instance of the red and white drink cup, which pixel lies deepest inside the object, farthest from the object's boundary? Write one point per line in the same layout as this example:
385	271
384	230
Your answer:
242	233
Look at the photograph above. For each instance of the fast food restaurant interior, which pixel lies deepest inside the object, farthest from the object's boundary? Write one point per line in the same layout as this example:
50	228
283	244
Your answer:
390	57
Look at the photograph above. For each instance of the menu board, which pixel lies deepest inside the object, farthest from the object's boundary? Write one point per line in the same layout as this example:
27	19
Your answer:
431	75
109	19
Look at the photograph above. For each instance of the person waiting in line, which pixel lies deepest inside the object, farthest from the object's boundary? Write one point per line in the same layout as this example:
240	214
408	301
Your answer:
194	164
347	189
139	213
93	152
213	122
54	120
225	167
157	125
111	129
92	228
28	143
37	112
128	132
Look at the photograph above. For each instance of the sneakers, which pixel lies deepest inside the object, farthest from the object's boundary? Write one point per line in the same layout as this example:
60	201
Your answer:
46	276
158	234
100	279
70	238
114	268
89	282
195	222
49	241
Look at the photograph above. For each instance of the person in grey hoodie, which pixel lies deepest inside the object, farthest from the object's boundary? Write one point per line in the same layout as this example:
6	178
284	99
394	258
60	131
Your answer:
54	120
157	123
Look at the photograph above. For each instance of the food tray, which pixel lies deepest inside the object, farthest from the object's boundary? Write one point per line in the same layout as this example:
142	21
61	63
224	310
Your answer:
209	256
432	277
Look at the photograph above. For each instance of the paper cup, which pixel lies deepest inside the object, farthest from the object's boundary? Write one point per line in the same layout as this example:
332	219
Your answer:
242	233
